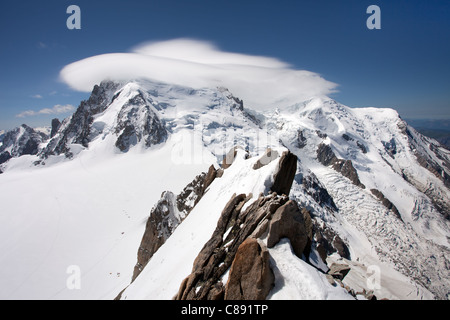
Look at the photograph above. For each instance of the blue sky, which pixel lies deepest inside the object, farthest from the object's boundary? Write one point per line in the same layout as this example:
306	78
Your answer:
405	65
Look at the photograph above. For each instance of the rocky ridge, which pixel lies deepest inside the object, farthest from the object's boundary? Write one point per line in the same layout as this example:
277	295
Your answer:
167	214
238	243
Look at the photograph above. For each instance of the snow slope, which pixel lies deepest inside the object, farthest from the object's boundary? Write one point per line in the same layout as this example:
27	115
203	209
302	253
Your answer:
89	212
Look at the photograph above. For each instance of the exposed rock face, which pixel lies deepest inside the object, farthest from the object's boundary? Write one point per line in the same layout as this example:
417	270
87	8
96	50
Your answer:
163	219
284	177
301	139
361	146
327	157
77	129
390	147
20	141
388	204
251	277
167	214
219	252
4	157
234	240
136	121
289	222
328	242
315	189
358	143
338	271
210	176
346	168
55	127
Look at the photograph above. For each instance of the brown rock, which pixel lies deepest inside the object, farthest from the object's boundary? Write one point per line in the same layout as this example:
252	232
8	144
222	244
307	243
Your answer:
210	176
338	271
326	156
216	239
283	178
250	276
163	218
218	254
217	292
328	242
289	222
229	157
386	202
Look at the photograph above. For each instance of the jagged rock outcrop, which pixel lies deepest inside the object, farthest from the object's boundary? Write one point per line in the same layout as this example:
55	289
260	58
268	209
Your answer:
327	242
20	141
234	244
289	222
217	255
137	121
386	202
4	157
167	214
338	271
234	239
317	191
77	129
284	177
55	127
301	139
251	277
359	144
390	147
327	157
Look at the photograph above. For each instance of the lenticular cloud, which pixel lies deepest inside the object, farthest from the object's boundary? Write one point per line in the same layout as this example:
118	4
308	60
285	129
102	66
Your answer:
262	82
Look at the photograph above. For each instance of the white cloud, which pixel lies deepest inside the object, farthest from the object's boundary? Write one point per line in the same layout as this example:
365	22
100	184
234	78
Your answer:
41	45
37	96
57	109
262	82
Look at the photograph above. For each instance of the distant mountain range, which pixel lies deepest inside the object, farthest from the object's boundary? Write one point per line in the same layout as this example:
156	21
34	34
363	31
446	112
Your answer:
433	128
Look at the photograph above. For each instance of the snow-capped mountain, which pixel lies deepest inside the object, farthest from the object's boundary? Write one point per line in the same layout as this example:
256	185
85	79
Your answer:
20	141
160	191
